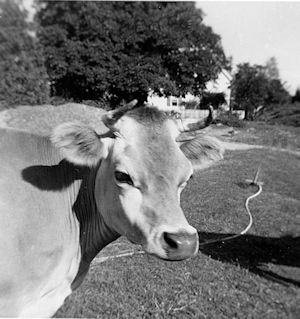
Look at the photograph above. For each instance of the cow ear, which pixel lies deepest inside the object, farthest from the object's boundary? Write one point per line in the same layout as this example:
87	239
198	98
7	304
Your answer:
80	144
202	151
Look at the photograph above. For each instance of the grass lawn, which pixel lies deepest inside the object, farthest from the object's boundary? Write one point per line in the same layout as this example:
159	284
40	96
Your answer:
254	276
280	136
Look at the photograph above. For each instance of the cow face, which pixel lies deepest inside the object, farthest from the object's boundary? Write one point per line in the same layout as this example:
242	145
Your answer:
142	173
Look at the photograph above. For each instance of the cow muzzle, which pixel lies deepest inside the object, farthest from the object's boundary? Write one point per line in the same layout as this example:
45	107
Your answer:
179	245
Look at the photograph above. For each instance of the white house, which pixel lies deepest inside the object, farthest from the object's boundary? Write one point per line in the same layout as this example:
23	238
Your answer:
220	85
170	102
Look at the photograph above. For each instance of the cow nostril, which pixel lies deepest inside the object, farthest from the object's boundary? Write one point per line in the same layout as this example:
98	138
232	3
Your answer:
170	241
179	245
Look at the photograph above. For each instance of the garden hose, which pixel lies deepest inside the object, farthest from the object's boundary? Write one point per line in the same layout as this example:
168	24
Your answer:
245	230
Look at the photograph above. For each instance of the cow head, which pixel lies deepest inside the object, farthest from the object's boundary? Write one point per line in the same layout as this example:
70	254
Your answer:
141	174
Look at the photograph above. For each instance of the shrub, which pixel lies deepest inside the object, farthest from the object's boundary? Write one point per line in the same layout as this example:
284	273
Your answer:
59	100
229	119
213	99
101	103
287	114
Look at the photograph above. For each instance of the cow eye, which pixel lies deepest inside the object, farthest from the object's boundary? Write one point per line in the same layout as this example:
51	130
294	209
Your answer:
123	178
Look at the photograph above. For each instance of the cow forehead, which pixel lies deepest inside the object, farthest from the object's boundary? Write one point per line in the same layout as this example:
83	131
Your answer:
133	130
150	147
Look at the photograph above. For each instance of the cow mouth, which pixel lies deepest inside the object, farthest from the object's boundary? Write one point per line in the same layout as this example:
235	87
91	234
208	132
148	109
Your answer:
171	251
170	256
167	244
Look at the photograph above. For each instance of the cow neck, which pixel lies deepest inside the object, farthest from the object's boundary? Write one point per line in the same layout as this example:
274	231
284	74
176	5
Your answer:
94	233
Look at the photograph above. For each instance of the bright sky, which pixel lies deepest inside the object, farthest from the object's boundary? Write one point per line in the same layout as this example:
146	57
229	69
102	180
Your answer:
255	31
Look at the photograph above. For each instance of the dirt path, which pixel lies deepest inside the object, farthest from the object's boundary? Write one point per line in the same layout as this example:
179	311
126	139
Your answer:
234	146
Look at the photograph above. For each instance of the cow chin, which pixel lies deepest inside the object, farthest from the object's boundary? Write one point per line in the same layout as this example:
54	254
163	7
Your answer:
168	242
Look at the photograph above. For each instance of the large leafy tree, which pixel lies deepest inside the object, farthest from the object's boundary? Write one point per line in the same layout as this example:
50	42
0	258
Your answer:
23	78
277	94
256	87
123	49
249	88
271	69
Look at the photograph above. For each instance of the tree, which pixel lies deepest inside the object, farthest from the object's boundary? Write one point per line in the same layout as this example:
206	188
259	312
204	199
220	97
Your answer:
272	71
276	93
23	75
123	49
257	87
249	88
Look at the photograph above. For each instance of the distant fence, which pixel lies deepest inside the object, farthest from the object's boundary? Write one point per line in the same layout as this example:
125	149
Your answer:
195	115
201	114
186	113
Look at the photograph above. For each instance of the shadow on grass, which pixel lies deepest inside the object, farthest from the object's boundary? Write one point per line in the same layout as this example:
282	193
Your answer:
265	256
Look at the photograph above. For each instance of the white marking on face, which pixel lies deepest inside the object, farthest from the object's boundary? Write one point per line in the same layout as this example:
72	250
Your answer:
131	201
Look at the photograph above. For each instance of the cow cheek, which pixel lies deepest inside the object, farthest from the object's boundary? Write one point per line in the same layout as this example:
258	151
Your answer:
131	202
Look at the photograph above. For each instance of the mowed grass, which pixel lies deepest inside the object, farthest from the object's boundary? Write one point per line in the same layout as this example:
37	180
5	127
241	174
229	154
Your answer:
280	136
254	276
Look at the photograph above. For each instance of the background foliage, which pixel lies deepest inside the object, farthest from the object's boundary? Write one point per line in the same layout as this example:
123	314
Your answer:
120	50
284	114
105	53
257	86
24	79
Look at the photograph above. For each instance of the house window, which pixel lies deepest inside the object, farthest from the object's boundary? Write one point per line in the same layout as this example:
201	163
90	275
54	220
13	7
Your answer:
175	102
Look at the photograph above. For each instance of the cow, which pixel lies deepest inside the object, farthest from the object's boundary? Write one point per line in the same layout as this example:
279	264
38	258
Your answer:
64	198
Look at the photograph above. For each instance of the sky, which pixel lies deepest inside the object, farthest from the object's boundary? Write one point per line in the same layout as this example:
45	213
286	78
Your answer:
255	31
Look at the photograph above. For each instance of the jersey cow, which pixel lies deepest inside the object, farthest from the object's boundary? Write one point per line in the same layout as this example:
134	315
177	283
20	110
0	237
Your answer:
64	198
